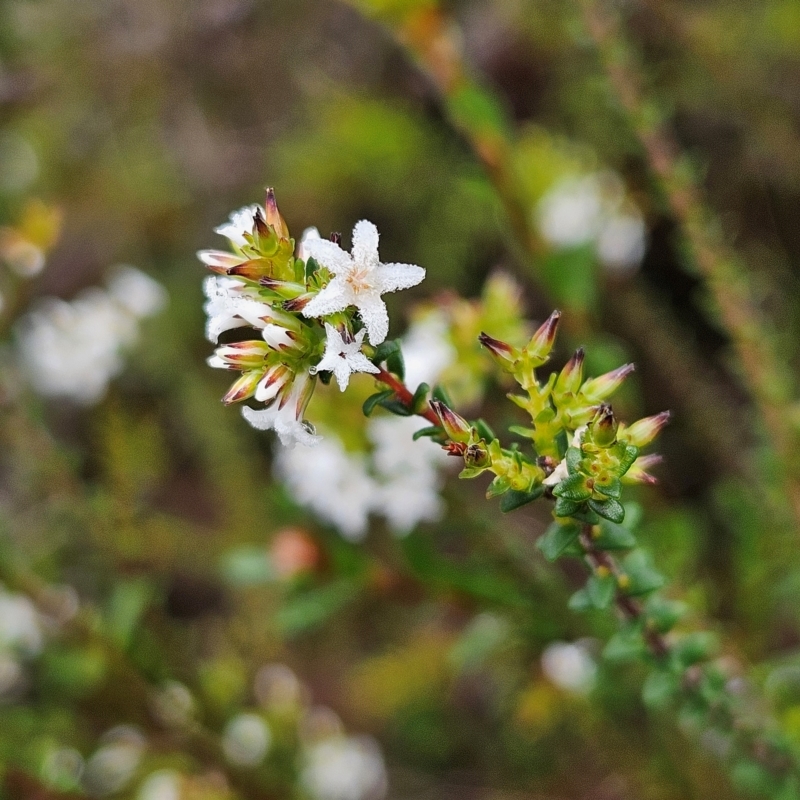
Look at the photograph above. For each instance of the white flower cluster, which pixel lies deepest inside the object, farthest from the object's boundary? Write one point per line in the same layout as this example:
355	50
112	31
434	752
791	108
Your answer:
74	349
593	209
399	479
21	640
313	312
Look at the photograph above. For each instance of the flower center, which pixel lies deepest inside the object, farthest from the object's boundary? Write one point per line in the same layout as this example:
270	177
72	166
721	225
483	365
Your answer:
359	280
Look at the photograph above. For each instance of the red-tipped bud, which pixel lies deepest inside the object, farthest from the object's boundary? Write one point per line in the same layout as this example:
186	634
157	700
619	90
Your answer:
571	376
603	387
604	426
274	217
504	354
336	238
638	473
643	432
219	261
543	340
298	303
242	388
456	427
260	224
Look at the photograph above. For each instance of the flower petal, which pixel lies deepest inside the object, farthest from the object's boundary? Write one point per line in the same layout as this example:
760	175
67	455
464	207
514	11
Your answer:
393	277
334	297
328	254
261	419
365	243
375	317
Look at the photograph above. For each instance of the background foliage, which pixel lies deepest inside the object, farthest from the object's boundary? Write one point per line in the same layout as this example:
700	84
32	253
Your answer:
147	528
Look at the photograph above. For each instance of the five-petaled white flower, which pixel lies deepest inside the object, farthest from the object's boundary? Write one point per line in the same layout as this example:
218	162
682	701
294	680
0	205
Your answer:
343	356
359	280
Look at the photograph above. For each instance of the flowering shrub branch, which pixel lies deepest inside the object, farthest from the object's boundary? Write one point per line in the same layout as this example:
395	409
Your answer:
314	311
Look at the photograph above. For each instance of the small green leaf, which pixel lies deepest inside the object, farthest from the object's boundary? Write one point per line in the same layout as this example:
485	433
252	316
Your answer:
513	499
557	538
419	402
498	486
629	454
664	614
384	350
625	645
396	364
374	399
431	430
610	488
696	647
470	472
573	487
521	430
659	689
573	457
394	406
440	393
614	537
643	577
601	590
484	431
609	509
580	601
565	507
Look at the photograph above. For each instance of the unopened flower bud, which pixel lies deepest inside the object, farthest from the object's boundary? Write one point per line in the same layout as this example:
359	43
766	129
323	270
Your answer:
569	380
604	427
242	388
455	427
477	455
643	432
638	473
543	340
504	354
600	388
274	217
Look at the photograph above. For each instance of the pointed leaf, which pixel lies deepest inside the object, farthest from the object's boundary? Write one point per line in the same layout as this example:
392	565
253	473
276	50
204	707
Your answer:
513	499
440	393
484	431
609	509
374	399
601	590
431	430
419	403
565	507
498	486
557	538
573	487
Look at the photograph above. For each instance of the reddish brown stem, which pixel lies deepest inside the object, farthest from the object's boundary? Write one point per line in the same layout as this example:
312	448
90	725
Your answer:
404	395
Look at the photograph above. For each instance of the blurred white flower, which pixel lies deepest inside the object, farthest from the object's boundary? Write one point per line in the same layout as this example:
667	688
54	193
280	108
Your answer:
427	351
165	784
12	676
345	768
20	625
74	349
113	765
359	280
135	291
173	704
570	214
240	222
246	740
63	767
622	241
343	356
333	483
409	472
593	208
276	687
569	666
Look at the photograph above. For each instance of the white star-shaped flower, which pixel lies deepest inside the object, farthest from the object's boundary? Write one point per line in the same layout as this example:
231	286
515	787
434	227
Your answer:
343	356
359	280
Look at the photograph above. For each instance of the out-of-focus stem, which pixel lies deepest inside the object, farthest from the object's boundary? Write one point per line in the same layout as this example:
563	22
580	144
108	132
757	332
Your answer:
725	275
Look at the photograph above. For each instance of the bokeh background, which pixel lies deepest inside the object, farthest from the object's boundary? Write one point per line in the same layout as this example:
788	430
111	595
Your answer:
174	624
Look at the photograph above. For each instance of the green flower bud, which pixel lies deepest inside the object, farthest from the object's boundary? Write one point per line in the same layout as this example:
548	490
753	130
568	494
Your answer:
543	340
569	380
600	388
504	354
603	428
456	427
643	432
